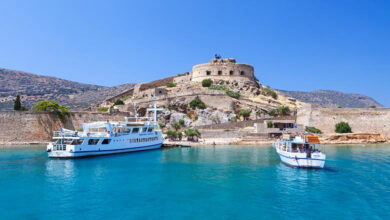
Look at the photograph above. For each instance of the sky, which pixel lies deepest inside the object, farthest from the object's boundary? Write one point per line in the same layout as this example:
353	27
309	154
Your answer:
300	45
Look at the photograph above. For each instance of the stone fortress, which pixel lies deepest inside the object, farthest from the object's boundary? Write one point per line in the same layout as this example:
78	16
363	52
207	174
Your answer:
217	69
223	69
228	76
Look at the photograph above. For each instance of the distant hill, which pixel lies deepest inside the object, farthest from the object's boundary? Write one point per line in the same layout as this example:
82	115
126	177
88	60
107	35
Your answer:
330	98
33	87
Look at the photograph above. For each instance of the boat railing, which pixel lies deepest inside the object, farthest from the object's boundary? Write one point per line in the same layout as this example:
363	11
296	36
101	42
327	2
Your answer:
93	134
64	134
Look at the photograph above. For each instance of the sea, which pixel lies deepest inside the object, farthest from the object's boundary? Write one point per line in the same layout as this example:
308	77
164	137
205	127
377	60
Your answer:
221	182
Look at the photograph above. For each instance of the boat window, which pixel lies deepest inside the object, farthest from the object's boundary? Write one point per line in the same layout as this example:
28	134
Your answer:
144	129
135	130
77	142
126	130
93	141
106	141
150	129
68	141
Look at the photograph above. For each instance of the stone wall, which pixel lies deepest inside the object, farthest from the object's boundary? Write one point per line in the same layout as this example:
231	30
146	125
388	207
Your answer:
37	127
212	98
361	120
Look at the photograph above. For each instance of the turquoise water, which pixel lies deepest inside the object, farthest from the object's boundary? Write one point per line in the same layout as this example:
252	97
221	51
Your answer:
195	183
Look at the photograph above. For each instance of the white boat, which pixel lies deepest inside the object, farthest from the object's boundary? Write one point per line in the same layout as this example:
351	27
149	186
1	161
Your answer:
101	138
300	151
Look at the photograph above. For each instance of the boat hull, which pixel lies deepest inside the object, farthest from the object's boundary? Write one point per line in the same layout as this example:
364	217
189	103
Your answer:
299	160
76	154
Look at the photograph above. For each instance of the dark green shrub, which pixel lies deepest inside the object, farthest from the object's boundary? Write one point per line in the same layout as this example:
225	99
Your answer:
197	103
343	127
207	82
283	110
245	113
181	122
269	124
313	130
272	112
119	102
171	84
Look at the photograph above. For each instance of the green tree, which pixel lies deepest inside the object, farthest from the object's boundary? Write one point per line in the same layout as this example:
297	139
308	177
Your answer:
52	106
176	126
207	82
343	127
171	134
17	103
191	133
245	113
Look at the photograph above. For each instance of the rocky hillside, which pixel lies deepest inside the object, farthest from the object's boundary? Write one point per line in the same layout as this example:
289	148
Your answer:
33	87
330	98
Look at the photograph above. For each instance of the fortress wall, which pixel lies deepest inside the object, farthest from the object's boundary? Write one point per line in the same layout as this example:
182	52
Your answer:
361	120
199	72
37	127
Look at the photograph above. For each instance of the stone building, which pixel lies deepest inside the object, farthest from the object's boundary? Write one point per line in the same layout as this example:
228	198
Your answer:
223	69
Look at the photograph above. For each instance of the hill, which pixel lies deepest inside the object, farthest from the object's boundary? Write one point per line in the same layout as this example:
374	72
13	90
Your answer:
33	87
330	98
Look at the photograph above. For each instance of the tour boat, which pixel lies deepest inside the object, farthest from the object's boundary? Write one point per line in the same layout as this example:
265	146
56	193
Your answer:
100	138
300	151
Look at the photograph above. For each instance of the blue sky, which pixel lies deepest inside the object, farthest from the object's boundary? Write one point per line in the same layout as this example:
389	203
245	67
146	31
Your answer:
293	44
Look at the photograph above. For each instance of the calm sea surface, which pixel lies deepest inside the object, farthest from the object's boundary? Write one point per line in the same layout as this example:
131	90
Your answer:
195	183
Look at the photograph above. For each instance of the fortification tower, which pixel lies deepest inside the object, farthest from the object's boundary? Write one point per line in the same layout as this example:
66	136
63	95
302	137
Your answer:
225	69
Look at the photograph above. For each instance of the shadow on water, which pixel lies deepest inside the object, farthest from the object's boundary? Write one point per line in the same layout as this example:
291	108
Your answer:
331	169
